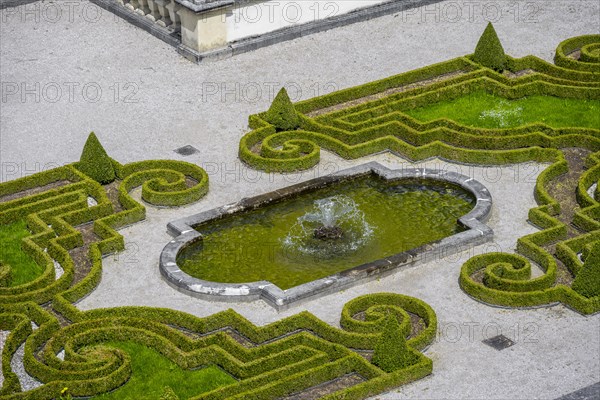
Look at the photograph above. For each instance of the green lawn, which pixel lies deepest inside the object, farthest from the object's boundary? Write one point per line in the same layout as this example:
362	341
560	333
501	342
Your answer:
152	372
483	110
23	268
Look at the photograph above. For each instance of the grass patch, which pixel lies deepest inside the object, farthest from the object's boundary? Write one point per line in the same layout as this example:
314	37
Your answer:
152	372
484	110
23	268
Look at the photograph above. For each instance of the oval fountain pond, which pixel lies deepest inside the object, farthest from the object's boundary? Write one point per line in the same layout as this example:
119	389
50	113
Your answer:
320	230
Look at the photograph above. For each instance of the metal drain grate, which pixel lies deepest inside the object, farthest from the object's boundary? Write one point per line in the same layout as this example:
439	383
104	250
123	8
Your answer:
499	342
186	150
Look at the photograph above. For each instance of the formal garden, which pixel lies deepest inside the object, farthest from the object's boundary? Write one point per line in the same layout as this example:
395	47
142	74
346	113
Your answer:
334	232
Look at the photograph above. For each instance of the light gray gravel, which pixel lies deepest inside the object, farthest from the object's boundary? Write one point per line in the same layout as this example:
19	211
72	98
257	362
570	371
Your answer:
58	269
164	101
27	381
556	350
16	364
3	337
592	190
179	103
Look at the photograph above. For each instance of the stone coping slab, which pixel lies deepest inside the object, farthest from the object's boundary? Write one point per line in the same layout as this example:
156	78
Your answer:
185	234
207	5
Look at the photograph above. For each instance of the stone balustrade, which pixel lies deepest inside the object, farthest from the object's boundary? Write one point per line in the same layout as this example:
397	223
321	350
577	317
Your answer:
163	12
234	26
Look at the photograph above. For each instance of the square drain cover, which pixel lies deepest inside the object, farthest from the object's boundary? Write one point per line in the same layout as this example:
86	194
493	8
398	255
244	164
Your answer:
499	342
186	150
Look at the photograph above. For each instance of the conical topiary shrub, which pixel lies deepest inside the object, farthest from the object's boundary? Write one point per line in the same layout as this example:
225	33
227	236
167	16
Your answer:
587	281
391	351
489	51
95	163
282	113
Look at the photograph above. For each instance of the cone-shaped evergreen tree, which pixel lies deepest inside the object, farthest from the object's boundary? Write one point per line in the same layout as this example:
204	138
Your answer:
391	351
489	51
587	281
282	113
95	163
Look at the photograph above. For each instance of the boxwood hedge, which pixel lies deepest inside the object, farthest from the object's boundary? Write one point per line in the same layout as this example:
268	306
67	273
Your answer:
361	121
281	358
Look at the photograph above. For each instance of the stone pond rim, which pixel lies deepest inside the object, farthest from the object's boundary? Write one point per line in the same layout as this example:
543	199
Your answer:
185	234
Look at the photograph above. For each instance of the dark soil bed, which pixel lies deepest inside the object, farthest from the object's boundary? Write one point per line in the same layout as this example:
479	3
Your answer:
316	392
35	190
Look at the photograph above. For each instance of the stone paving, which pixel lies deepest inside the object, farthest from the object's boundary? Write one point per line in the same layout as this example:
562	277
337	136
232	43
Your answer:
79	74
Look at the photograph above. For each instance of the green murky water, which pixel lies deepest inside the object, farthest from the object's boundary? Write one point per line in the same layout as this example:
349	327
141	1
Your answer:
255	245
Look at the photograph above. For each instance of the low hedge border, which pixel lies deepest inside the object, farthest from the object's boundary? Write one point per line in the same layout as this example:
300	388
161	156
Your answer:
507	277
19	327
586	63
289	355
590	53
315	350
52	214
381	125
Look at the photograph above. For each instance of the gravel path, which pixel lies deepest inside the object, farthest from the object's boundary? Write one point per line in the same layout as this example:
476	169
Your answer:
128	86
165	102
551	342
3	337
16	364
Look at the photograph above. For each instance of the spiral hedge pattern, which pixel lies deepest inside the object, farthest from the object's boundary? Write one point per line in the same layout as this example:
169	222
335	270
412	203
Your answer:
505	279
368	119
288	356
301	351
355	130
